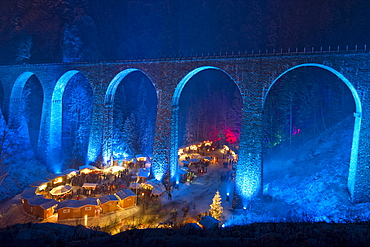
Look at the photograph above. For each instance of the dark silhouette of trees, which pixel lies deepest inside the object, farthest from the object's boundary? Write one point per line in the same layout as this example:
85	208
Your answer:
304	102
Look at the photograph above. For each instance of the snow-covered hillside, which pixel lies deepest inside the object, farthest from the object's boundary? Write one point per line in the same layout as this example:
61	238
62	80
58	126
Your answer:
309	184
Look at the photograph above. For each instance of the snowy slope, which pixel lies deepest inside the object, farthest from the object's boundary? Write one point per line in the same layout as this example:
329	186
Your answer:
310	184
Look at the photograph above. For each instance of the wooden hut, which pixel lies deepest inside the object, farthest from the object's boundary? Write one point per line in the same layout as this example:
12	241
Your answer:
89	206
41	185
39	206
29	193
70	209
208	222
126	198
108	203
56	179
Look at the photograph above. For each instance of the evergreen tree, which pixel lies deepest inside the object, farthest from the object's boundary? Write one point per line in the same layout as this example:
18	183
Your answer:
131	134
216	208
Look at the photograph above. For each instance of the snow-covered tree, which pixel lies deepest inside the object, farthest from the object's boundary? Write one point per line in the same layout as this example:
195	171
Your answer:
216	209
131	134
23	50
77	102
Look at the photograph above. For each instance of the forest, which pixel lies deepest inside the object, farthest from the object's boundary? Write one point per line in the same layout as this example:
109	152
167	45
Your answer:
303	104
47	31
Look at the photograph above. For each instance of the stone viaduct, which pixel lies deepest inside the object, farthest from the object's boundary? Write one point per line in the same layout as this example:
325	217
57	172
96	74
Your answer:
253	75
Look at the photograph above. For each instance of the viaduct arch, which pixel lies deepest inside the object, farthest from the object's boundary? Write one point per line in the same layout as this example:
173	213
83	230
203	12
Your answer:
253	75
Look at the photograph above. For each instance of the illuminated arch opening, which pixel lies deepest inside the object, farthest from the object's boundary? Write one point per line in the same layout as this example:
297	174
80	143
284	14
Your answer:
131	103
175	121
26	104
357	115
70	120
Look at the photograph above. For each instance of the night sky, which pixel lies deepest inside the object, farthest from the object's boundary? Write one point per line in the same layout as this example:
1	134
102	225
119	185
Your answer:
34	31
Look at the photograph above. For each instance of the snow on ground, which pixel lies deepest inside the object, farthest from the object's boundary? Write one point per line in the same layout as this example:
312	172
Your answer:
310	186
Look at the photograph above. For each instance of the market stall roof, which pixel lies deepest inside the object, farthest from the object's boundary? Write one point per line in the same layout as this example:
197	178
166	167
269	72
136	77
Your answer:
192	226
77	203
206	158
208	221
143	174
60	190
107	198
135	186
89	185
28	192
141	156
88	167
194	160
151	183
185	162
122	194
68	171
38	182
41	201
129	157
54	176
182	172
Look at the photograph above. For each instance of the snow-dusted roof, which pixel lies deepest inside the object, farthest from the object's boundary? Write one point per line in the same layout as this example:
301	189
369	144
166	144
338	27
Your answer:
41	201
78	203
107	198
208	221
68	171
54	176
122	194
37	183
28	193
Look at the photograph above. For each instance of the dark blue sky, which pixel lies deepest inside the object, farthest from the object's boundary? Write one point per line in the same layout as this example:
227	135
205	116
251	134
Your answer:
91	30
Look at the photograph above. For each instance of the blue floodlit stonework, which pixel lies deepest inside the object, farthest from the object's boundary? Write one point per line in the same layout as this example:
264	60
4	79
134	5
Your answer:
253	75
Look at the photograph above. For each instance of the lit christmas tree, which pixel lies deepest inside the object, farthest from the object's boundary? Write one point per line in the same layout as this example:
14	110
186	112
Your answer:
216	208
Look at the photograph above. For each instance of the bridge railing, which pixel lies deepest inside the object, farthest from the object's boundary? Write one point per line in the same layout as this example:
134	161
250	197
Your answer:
253	53
224	55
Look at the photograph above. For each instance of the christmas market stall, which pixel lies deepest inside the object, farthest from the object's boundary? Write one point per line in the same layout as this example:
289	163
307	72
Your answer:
89	187
70	209
69	174
29	192
143	175
56	179
42	186
86	169
126	198
61	191
208	222
108	203
39	206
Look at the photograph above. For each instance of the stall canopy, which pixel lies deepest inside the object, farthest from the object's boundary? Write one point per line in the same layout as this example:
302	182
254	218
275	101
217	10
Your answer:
60	190
135	186
143	174
186	162
91	186
88	167
69	171
182	172
194	160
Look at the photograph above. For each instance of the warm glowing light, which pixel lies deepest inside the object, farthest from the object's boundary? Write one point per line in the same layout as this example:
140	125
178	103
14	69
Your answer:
193	147
42	187
58	180
207	143
86	220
